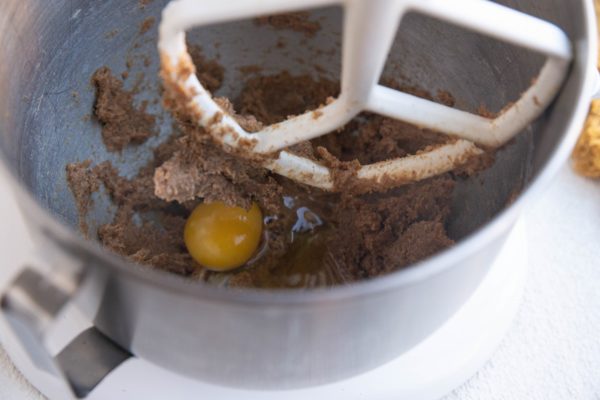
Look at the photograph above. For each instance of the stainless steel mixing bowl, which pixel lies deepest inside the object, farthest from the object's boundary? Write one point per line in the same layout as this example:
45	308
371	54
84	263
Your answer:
49	50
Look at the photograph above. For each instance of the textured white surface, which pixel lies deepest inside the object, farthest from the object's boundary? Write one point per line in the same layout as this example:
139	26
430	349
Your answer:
553	349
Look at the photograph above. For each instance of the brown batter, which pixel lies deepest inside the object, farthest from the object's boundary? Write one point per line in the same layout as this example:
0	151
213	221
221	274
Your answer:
313	238
296	21
83	185
211	73
122	123
147	24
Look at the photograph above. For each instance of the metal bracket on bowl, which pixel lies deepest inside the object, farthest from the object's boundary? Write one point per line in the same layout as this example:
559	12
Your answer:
32	305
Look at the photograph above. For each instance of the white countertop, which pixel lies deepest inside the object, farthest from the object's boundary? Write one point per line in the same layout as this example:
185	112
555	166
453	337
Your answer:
553	349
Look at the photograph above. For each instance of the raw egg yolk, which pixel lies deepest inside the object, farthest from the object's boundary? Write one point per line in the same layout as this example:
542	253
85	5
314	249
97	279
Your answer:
220	237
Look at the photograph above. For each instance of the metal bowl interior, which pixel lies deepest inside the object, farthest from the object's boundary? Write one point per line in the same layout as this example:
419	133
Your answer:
52	51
